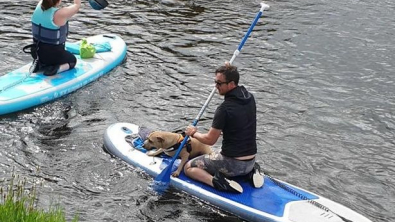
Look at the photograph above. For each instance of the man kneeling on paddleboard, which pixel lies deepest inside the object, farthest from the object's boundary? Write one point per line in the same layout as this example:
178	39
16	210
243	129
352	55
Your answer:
236	119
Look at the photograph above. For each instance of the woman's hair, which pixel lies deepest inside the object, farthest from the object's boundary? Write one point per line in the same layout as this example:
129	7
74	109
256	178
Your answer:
46	4
230	72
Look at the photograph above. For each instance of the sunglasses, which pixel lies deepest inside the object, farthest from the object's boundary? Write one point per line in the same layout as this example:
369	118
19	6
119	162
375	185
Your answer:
219	83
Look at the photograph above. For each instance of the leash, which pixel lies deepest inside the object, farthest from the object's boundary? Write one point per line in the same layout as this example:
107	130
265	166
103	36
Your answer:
31	69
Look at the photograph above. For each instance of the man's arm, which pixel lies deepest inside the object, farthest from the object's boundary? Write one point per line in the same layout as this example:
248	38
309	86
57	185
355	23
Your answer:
209	138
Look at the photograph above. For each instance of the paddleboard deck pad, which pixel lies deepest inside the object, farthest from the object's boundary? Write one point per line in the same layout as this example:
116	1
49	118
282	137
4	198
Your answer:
20	90
276	201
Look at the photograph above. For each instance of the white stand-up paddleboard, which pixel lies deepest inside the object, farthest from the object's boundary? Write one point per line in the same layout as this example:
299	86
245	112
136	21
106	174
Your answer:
20	89
276	201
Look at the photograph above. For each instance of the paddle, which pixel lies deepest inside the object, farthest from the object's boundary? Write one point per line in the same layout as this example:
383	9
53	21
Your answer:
98	4
163	179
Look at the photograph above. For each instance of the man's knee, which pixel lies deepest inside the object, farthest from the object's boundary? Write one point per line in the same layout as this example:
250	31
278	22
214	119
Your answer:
187	167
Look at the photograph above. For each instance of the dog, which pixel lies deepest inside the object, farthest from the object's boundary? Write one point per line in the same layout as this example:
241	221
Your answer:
168	143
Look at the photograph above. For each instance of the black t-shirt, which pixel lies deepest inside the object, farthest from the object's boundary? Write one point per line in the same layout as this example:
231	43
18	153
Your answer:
236	117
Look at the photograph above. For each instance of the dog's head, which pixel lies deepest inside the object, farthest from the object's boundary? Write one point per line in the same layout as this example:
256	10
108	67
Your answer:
159	139
154	141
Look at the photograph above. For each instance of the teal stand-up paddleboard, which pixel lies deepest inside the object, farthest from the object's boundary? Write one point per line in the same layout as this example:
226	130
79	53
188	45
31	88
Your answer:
21	89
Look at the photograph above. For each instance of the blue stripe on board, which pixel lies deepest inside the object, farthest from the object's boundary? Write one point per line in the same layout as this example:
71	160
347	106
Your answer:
275	197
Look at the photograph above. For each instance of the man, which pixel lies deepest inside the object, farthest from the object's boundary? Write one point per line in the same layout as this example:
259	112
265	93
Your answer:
236	119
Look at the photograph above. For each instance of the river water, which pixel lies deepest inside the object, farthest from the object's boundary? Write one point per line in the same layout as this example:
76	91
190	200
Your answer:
321	72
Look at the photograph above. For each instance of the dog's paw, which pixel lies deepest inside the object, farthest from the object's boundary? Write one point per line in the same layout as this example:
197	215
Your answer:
175	174
151	153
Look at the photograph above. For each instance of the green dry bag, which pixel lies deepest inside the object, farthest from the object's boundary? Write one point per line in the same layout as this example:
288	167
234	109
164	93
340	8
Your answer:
87	50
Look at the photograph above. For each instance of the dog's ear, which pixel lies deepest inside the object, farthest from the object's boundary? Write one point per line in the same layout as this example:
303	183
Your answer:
160	139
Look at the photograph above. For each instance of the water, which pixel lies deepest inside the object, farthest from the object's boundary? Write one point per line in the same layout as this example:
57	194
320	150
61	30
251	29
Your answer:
321	72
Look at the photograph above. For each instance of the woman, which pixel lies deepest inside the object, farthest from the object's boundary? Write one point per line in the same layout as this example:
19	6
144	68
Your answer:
50	29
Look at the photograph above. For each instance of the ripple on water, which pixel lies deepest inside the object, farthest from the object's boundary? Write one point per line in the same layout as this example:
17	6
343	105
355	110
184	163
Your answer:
321	72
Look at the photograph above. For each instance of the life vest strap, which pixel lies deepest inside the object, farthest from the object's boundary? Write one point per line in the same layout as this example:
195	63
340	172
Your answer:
50	36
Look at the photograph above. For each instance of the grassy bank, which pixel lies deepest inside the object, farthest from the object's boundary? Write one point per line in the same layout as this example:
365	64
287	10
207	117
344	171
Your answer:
17	204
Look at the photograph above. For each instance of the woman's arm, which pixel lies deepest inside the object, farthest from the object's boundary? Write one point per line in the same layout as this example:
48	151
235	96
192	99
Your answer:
64	14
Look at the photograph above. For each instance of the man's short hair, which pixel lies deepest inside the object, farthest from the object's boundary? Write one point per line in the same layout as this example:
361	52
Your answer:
230	72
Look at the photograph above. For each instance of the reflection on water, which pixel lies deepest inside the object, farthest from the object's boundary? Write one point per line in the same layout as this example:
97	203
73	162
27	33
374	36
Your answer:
321	72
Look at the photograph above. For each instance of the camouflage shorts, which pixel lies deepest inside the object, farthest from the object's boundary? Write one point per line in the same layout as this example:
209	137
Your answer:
227	165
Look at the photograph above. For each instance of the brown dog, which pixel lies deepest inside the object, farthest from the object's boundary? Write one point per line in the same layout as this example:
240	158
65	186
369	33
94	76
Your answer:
164	141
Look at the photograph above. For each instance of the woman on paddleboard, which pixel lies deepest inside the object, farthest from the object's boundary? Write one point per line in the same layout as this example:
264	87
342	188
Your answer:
235	118
50	29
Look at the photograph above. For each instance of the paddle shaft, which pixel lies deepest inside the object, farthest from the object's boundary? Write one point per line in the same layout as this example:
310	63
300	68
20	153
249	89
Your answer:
164	176
235	54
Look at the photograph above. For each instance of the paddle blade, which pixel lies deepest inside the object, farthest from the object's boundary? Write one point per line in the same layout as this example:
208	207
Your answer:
162	181
159	187
164	176
98	4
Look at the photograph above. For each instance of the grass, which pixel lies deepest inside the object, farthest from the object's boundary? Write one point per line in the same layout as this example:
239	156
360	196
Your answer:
17	204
